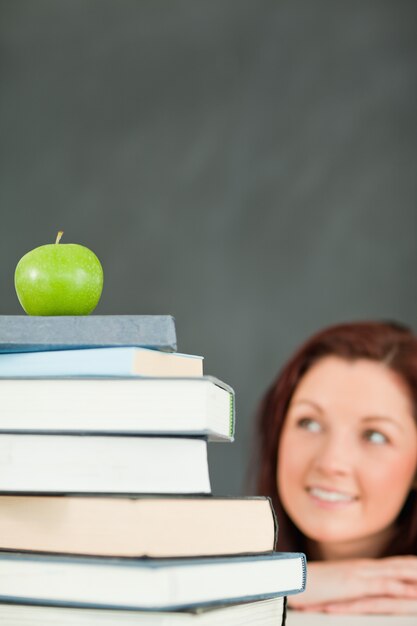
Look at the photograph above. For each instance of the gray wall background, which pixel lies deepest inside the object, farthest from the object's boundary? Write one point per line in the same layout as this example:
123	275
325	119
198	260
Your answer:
247	166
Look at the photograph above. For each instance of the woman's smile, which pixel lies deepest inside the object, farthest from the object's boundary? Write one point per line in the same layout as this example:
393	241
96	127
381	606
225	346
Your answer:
328	498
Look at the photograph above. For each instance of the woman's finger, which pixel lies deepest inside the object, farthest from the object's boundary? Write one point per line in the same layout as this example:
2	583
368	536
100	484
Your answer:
381	605
403	568
391	587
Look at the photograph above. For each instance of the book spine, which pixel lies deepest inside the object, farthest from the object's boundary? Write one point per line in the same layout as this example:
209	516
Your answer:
274	517
284	612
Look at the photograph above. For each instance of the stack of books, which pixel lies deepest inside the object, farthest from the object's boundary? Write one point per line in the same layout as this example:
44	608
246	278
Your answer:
106	512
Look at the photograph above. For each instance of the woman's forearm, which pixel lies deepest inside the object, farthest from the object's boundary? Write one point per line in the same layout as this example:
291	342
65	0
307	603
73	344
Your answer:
350	581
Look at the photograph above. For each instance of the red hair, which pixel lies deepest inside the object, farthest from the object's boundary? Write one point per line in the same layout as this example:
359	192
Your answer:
387	342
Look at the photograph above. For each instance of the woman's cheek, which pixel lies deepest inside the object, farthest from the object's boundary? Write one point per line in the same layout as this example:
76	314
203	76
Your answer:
292	456
390	473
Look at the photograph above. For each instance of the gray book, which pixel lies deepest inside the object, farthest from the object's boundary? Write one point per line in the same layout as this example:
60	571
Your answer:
24	333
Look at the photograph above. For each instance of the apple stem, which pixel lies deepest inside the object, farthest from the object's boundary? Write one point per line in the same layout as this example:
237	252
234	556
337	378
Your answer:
59	235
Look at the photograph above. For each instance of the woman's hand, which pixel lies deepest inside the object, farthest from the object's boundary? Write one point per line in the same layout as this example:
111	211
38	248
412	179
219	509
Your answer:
360	586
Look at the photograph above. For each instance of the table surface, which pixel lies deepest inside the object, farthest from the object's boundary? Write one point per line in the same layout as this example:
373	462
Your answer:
299	618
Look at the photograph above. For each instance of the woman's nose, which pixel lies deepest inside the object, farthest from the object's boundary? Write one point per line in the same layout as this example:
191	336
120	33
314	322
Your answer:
334	455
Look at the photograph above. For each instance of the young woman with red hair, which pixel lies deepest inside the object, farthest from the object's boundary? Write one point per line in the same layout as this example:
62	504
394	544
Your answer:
337	445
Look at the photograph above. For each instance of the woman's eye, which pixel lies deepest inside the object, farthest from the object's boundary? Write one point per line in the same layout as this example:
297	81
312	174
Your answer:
374	436
307	423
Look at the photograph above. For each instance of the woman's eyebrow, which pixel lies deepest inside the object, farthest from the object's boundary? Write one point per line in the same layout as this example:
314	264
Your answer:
309	402
382	418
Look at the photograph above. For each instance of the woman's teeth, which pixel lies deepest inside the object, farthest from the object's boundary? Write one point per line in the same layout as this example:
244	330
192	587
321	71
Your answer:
330	496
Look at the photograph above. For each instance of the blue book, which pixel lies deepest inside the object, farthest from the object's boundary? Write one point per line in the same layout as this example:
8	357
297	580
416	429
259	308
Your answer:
148	584
100	362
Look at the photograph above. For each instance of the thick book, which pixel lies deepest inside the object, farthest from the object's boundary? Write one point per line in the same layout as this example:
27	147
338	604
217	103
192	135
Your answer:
100	362
136	527
29	333
270	612
150	584
103	464
200	406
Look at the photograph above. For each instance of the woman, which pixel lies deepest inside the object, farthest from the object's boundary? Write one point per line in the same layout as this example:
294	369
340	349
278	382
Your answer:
338	456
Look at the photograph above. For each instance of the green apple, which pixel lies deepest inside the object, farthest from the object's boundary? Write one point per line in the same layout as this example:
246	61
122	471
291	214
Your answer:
59	279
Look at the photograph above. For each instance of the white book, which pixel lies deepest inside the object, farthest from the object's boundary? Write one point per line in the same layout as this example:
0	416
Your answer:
262	613
200	406
103	464
148	584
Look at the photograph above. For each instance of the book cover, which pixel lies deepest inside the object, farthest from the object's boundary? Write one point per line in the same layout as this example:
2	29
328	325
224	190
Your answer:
148	584
26	333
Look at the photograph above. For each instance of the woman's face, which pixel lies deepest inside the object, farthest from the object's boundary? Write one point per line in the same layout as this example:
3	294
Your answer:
347	457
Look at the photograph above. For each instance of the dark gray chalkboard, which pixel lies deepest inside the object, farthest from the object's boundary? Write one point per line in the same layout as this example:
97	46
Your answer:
246	166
